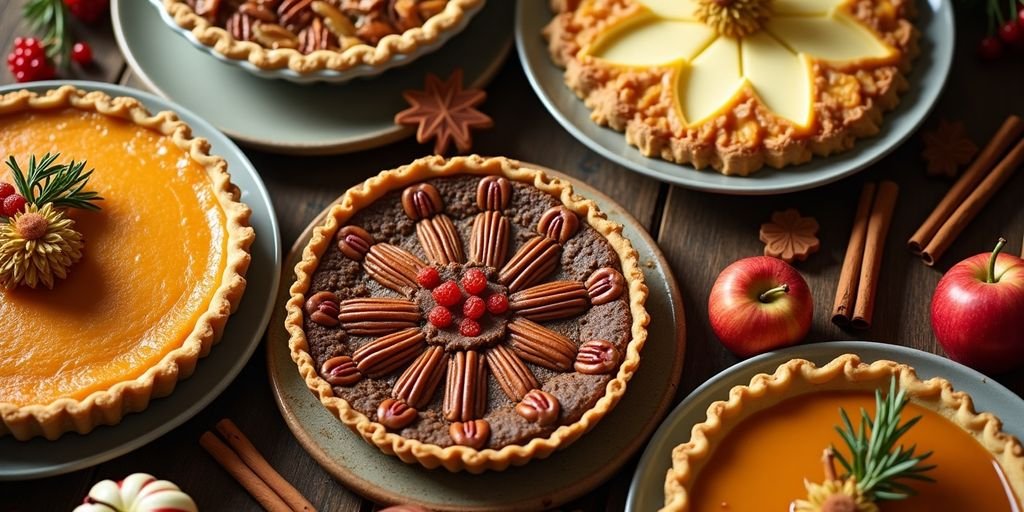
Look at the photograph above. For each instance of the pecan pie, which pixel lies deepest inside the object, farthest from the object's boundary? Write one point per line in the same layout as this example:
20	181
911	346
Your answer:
471	313
312	35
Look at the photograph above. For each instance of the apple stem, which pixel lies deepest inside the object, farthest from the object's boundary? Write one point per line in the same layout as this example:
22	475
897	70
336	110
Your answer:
991	277
767	296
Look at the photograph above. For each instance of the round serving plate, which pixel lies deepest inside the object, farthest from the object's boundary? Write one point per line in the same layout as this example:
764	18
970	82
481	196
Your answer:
564	476
927	78
647	489
20	460
323	75
283	117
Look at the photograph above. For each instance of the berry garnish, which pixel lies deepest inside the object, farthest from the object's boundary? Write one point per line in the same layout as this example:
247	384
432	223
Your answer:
469	327
81	53
6	189
1011	32
28	61
88	11
440	317
13	204
474	281
497	304
474	307
990	48
447	293
428	277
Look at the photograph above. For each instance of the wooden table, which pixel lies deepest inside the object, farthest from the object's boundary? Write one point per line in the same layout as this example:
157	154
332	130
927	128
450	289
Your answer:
700	234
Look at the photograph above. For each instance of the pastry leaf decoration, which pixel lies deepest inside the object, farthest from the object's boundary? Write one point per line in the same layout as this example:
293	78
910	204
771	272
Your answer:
46	181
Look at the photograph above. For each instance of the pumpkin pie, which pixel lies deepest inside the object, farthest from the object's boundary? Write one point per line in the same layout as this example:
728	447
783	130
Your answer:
737	84
761	448
468	313
161	269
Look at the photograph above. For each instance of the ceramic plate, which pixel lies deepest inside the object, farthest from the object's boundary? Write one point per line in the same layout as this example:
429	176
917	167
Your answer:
279	116
38	458
935	20
539	484
647	490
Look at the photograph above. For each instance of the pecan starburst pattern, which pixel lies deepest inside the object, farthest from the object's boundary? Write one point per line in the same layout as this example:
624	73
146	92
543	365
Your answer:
465	316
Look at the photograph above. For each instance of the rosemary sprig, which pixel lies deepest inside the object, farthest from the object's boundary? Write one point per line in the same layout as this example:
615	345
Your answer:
50	18
49	182
878	465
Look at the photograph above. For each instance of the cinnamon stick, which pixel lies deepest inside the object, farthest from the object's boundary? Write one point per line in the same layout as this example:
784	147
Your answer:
970	207
241	473
846	293
874	246
1008	133
252	458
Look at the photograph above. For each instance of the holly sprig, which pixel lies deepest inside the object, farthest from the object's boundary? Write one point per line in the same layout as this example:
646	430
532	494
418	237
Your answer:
50	18
47	181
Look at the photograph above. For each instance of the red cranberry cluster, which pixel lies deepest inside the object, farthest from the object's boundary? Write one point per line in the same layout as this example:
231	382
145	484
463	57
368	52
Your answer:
449	295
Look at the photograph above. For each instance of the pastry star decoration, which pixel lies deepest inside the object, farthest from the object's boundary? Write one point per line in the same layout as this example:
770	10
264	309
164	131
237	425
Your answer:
790	236
947	148
445	112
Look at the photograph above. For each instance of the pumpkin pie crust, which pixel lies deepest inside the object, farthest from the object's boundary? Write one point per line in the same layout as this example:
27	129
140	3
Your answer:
517	428
846	373
54	395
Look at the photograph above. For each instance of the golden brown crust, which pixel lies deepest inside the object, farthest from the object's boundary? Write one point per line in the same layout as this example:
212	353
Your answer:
845	372
223	43
109	406
457	458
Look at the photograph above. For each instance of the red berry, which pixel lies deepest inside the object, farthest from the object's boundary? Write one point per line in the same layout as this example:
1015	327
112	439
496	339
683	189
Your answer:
990	48
88	11
1011	32
1020	17
447	293
81	53
474	281
474	307
28	62
440	317
428	277
497	304
6	189
469	327
13	203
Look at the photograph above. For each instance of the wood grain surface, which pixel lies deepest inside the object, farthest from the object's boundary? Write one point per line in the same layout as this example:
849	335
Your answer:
700	234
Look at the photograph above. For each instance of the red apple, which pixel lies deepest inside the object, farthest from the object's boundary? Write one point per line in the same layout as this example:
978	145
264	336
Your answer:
978	310
760	304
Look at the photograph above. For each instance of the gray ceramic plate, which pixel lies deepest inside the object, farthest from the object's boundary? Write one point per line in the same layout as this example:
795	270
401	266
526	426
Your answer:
324	75
927	79
647	490
539	484
39	458
279	116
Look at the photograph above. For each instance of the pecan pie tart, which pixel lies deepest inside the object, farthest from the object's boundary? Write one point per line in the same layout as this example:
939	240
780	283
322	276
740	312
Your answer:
157	267
470	313
761	449
736	84
312	35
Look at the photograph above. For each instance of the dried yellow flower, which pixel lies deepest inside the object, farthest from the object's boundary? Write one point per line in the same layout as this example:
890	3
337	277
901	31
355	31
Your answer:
36	246
835	496
734	18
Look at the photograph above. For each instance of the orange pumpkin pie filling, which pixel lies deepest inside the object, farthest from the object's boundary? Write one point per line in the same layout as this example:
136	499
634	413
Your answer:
161	269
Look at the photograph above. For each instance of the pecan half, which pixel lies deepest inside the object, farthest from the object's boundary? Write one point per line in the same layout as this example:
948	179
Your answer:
537	258
559	224
388	353
539	407
322	308
605	285
404	14
295	14
512	375
440	240
465	394
488	242
377	316
274	36
550	301
429	8
493	193
354	242
596	357
540	345
421	201
395	414
473	434
334	20
340	371
417	384
208	8
240	26
258	10
393	267
373	30
314	37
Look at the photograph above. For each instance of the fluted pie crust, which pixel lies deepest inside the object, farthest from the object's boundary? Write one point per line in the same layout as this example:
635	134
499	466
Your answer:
458	457
222	42
846	372
107	407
